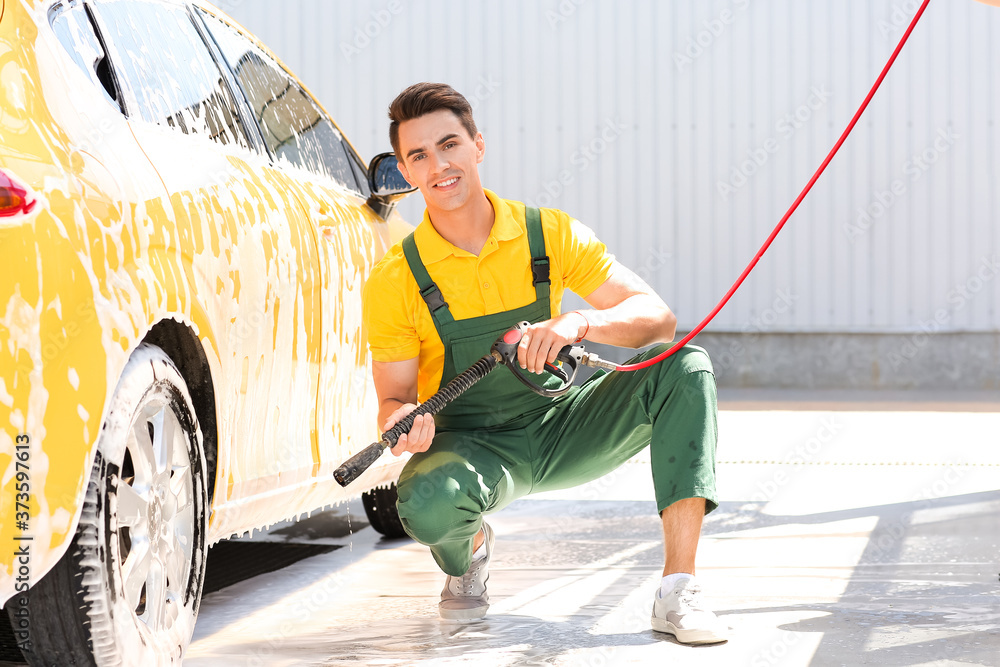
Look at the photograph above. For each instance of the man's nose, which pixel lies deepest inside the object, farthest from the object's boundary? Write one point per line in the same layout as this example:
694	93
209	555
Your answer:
439	162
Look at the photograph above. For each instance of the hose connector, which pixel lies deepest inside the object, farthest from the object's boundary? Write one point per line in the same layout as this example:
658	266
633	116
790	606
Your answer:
594	361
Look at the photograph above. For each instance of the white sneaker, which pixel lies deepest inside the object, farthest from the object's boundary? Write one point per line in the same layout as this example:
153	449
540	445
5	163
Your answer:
682	614
464	598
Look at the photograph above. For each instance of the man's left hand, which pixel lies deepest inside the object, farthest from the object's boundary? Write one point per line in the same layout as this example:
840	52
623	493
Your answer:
541	342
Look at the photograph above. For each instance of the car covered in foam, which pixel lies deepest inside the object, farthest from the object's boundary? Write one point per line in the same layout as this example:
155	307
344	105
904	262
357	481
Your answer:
184	236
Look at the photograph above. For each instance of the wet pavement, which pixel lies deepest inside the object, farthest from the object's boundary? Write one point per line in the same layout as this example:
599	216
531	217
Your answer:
853	530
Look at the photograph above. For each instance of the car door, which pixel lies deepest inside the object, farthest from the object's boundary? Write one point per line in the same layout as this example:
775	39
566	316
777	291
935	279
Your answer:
325	174
254	268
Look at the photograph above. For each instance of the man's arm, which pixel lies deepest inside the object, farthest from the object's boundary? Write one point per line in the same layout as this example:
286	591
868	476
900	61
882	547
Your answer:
626	313
396	386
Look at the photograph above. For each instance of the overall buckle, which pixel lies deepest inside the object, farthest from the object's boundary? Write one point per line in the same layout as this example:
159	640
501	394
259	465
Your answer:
539	270
432	297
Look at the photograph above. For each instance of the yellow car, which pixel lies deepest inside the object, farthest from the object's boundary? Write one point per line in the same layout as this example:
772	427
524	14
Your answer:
184	238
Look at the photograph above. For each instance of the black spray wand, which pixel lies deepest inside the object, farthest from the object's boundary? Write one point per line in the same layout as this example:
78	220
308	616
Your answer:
504	351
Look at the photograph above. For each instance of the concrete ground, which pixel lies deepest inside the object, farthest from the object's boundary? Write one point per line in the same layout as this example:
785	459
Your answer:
854	529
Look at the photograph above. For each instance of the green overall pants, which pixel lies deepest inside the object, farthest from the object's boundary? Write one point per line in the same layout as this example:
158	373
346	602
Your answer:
499	441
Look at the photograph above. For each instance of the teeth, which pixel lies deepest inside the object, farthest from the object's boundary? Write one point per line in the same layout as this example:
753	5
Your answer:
444	184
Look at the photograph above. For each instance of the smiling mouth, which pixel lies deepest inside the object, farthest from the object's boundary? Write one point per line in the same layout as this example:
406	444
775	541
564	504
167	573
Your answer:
444	184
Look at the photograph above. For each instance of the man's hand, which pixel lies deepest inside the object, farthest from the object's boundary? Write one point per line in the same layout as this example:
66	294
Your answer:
396	385
542	341
421	433
627	313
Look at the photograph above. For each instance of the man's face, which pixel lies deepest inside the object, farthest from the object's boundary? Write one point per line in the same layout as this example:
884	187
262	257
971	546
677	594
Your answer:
441	159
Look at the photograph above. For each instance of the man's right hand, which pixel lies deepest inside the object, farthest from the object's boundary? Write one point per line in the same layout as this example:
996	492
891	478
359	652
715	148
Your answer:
421	433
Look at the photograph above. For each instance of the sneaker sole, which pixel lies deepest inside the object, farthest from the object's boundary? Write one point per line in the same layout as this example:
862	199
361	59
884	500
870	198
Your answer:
473	614
687	636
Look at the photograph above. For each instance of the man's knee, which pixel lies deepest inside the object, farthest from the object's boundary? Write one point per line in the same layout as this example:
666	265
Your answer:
434	501
687	361
691	359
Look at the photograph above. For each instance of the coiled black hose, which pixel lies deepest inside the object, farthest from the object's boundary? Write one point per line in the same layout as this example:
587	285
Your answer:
357	464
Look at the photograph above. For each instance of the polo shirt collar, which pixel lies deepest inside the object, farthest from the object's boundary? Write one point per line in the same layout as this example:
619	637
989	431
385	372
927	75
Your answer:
434	248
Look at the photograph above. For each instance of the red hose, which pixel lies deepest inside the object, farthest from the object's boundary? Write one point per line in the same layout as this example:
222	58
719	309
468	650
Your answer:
760	253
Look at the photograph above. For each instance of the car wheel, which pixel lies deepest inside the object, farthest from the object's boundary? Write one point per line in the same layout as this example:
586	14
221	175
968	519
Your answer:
380	506
127	591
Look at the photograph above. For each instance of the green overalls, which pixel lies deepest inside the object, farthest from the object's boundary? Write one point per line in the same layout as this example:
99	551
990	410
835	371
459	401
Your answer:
499	441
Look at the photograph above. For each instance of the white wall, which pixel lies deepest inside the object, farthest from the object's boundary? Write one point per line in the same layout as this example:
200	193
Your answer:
643	118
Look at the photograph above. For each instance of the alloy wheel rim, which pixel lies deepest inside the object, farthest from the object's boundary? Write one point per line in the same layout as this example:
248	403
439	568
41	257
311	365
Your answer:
155	517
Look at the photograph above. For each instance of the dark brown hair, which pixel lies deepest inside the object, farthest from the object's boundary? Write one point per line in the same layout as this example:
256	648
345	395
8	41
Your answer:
423	98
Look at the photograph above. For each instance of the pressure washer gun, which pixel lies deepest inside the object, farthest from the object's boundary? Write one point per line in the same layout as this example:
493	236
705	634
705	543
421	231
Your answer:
503	351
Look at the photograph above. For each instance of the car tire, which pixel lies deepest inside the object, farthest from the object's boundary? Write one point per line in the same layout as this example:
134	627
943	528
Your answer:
127	591
380	506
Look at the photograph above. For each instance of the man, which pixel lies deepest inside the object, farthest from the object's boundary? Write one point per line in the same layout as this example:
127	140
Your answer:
475	266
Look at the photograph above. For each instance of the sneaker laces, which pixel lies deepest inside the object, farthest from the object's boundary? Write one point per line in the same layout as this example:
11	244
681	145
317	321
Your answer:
465	585
690	597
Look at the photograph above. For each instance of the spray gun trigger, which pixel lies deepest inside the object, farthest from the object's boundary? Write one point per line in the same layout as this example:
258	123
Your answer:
558	372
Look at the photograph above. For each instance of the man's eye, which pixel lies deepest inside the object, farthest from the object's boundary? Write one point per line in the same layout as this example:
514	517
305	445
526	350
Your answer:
449	144
418	157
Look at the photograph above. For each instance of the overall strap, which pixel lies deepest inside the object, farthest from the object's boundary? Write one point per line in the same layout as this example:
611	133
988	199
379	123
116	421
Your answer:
428	288
539	260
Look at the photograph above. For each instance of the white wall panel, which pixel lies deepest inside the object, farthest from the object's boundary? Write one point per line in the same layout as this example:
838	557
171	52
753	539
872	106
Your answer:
681	131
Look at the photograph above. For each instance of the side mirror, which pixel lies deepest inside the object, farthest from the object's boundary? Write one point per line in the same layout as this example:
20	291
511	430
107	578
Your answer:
387	184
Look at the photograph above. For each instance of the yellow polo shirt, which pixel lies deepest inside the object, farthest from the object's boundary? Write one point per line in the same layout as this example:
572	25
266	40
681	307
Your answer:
397	321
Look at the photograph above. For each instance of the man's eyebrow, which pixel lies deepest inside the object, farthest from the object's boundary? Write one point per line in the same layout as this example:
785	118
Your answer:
447	137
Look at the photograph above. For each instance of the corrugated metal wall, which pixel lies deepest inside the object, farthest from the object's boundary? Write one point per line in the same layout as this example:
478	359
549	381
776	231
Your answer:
681	131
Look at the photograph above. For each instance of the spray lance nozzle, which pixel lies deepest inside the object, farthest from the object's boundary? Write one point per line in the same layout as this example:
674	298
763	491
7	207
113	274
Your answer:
503	351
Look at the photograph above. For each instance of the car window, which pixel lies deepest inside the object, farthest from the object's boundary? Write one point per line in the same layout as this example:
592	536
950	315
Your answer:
74	31
360	172
294	127
165	63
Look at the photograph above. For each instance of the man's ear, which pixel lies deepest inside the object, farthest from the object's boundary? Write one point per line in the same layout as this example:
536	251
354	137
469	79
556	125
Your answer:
480	147
406	174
